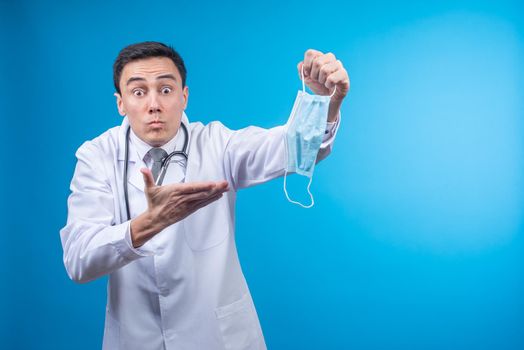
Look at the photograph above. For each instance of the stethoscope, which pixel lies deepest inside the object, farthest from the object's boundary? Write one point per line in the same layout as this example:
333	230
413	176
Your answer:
163	168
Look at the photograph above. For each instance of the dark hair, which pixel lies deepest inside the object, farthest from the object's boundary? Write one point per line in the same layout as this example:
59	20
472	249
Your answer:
145	50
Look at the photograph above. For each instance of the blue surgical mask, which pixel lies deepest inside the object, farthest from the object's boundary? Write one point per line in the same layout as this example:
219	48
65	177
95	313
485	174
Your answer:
304	133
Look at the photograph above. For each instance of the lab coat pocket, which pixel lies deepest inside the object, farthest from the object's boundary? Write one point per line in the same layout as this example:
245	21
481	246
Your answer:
239	325
208	227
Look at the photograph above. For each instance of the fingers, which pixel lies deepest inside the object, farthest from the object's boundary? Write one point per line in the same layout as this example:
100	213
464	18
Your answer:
148	177
324	72
318	63
222	185
197	187
202	195
340	79
309	56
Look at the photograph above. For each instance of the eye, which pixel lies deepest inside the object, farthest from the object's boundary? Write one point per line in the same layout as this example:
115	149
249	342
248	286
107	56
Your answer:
166	90
138	92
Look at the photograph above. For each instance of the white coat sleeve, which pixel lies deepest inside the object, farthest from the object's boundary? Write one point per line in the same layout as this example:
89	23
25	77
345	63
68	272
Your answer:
255	155
94	245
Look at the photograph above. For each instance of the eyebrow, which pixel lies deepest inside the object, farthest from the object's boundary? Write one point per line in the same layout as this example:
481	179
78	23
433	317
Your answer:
163	76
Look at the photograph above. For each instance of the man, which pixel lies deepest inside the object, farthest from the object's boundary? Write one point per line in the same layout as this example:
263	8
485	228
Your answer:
163	228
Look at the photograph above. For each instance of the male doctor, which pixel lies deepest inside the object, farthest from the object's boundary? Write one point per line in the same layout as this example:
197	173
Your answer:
161	225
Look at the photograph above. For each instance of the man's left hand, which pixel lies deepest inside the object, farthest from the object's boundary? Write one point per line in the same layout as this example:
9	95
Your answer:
323	72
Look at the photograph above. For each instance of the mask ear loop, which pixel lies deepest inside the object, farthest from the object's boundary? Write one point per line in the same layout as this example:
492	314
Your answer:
308	191
304	84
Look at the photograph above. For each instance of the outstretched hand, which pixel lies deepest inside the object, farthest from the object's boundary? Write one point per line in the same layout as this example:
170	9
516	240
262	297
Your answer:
171	203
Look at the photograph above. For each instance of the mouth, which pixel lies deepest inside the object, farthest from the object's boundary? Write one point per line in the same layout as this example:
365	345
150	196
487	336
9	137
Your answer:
155	123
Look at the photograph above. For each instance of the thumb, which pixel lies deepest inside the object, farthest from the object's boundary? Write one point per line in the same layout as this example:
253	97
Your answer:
148	177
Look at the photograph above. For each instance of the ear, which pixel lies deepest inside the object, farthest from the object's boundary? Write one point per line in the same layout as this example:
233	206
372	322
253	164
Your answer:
185	96
120	104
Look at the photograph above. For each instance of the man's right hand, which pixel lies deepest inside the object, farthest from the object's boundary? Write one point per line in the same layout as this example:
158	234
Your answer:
170	204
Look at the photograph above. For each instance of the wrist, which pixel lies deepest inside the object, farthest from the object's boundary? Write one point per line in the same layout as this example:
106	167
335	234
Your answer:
143	228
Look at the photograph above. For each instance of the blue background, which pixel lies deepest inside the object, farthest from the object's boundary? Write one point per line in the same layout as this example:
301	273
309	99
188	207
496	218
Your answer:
417	237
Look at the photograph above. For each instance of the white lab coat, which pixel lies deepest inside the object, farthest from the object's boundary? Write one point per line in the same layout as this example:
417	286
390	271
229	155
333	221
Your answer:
183	289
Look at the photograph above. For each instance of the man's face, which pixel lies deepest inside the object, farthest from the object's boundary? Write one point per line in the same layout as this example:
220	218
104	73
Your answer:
153	99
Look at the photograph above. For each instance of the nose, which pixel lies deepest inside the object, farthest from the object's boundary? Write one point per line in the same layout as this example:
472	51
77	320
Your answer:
154	105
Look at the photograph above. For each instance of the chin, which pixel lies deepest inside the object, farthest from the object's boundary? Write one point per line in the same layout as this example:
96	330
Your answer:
157	136
157	142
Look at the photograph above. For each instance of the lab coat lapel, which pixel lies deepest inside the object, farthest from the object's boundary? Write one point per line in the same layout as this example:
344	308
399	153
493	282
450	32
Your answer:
135	176
134	164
